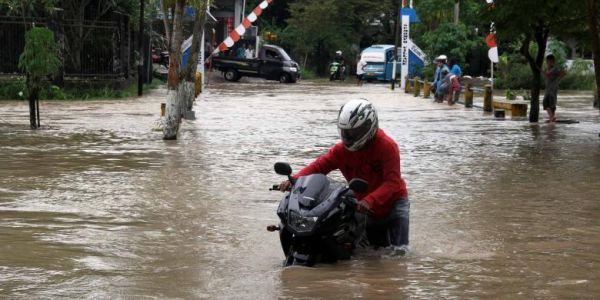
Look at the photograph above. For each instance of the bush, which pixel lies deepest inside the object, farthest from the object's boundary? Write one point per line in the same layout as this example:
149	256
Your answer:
308	74
16	89
513	73
13	89
579	77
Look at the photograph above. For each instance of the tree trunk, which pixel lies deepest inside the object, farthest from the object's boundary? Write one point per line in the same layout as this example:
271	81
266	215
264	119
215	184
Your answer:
541	32
186	94
190	71
32	97
174	101
165	12
592	11
173	115
55	24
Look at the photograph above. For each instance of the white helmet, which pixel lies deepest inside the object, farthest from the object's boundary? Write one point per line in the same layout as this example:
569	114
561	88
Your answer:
357	124
339	52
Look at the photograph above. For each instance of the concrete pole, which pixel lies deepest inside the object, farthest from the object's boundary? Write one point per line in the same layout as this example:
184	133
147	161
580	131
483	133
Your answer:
456	10
487	98
426	88
243	11
468	96
397	34
417	89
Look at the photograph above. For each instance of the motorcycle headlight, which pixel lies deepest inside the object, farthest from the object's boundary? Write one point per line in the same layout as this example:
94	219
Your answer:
293	69
300	223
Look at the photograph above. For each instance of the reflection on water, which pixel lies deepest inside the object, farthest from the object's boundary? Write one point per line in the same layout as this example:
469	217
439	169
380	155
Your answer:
97	205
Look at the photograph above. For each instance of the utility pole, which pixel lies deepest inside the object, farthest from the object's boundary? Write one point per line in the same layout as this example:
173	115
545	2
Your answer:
243	11
456	10
141	45
397	34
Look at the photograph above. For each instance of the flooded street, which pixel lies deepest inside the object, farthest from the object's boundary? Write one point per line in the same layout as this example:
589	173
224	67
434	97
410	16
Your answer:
97	205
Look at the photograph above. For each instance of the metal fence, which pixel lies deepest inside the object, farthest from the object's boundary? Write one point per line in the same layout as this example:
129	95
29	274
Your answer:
90	49
12	42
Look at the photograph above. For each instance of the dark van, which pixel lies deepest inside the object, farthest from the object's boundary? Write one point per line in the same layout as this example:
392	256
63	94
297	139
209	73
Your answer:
272	63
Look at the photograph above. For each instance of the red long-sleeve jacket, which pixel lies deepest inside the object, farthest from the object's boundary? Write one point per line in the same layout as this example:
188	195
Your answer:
378	163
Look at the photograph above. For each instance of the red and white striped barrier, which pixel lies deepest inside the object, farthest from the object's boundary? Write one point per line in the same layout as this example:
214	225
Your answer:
235	35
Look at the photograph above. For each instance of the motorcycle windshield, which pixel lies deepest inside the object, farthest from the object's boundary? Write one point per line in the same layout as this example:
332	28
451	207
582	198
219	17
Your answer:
313	195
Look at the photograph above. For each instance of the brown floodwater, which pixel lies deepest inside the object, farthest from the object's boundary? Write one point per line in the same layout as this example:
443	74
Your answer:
97	205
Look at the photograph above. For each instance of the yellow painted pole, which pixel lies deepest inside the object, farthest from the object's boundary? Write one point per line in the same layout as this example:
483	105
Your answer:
163	107
198	84
417	87
426	88
468	96
487	98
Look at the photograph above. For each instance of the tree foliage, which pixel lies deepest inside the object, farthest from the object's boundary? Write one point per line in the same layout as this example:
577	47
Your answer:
451	39
316	29
531	23
38	60
40	55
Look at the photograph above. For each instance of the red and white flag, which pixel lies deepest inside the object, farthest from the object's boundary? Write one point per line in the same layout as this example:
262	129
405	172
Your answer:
235	35
490	40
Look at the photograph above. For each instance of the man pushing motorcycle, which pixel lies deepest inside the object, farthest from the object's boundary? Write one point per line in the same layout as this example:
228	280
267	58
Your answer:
367	152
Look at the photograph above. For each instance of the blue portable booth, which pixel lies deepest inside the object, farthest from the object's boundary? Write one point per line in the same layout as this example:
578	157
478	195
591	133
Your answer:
380	64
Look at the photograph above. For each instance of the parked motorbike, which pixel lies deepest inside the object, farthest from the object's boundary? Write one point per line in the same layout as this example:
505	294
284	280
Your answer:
161	58
318	219
337	71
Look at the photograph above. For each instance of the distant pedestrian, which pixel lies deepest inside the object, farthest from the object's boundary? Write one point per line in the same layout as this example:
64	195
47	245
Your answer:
249	52
240	52
444	88
552	74
360	71
455	67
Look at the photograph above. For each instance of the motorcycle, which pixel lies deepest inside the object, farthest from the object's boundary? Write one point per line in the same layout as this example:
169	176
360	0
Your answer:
337	71
318	219
161	58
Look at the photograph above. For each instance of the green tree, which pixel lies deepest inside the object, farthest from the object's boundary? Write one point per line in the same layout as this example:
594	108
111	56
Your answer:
38	60
451	39
317	29
531	23
180	82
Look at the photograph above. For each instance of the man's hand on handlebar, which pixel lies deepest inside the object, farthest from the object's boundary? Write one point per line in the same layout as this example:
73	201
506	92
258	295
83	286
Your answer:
364	207
285	185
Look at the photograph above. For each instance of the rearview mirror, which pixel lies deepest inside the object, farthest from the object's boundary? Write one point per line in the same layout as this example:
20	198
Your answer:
282	168
359	185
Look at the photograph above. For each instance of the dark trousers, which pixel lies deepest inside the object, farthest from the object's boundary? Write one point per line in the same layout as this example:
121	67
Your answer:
391	230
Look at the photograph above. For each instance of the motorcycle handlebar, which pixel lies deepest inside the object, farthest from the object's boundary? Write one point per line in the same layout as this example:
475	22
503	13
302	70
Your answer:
350	200
275	187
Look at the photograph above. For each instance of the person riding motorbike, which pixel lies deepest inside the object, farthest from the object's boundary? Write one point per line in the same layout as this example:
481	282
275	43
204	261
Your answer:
341	69
367	152
339	58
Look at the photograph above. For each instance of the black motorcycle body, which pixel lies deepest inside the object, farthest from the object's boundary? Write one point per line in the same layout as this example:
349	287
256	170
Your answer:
318	221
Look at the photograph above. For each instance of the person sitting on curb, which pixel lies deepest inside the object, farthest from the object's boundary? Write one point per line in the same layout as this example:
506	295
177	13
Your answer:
438	81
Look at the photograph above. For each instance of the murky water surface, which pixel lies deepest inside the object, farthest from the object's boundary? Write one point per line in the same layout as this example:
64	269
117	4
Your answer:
97	205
